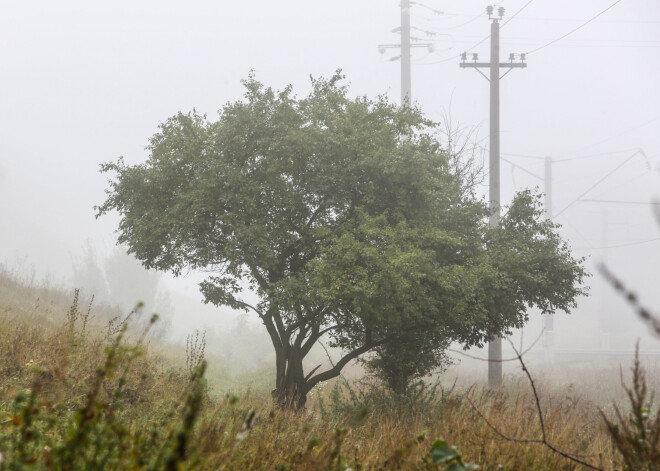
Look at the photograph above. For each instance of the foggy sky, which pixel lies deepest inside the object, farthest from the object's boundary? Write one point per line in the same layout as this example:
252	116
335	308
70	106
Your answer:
86	82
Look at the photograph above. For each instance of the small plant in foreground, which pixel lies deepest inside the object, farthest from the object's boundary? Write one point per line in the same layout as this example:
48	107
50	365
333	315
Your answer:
195	350
448	456
371	395
102	431
637	435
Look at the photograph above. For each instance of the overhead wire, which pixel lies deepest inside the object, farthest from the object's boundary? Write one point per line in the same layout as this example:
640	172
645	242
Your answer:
616	246
579	234
575	20
575	29
472	20
655	43
624	184
645	203
601	180
591	156
555	161
614	136
484	39
473	46
516	13
514	165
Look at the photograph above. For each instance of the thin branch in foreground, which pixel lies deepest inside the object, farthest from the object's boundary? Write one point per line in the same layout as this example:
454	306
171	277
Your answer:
633	300
540	412
543	441
656	210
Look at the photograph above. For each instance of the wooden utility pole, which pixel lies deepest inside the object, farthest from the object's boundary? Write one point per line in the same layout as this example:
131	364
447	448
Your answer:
495	346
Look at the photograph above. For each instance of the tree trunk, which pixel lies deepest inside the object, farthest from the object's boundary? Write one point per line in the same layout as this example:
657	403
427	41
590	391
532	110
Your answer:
290	385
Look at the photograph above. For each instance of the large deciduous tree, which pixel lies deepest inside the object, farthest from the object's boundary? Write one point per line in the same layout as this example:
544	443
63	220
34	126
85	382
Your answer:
343	216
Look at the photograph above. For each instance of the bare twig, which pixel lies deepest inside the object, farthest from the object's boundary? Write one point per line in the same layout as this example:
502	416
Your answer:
656	210
327	353
540	412
633	300
465	155
543	441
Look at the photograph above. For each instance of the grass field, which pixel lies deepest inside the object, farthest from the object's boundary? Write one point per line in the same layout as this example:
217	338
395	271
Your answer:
80	391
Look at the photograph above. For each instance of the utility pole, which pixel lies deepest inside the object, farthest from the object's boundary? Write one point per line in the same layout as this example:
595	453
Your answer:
495	346
605	323
405	52
405	46
548	319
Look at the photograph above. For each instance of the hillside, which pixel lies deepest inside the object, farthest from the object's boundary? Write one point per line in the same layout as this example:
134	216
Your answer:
81	391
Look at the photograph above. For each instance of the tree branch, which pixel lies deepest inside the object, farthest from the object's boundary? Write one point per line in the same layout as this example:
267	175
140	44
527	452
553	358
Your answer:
309	375
249	306
305	319
543	440
313	337
336	370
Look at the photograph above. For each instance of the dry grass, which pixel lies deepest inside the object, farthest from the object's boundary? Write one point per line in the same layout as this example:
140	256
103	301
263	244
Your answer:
382	440
332	433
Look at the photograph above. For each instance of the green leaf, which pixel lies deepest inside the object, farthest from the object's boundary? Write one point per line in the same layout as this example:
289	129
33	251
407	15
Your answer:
444	455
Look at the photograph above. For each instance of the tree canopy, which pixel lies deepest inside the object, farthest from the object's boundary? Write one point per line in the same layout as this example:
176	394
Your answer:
345	217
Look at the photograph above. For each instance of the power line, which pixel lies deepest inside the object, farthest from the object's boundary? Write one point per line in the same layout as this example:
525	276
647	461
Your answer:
483	40
591	156
433	30
535	157
434	10
521	168
575	29
581	157
645	203
516	13
476	17
528	38
596	184
629	244
573	44
458	55
579	234
474	46
472	20
528	18
609	191
634	128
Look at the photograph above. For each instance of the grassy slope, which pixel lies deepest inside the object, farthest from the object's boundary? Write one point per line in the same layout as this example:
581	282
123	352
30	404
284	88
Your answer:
37	348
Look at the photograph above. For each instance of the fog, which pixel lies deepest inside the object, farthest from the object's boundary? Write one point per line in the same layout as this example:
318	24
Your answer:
86	82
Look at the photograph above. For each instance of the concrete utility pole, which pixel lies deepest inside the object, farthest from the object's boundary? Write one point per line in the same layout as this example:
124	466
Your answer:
495	346
605	324
548	320
405	52
406	46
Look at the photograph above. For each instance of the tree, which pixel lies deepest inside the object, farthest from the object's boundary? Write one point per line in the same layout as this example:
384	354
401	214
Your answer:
88	274
129	283
121	281
403	362
525	264
342	215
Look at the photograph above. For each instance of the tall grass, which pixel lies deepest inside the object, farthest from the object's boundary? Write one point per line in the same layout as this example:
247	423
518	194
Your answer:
80	392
